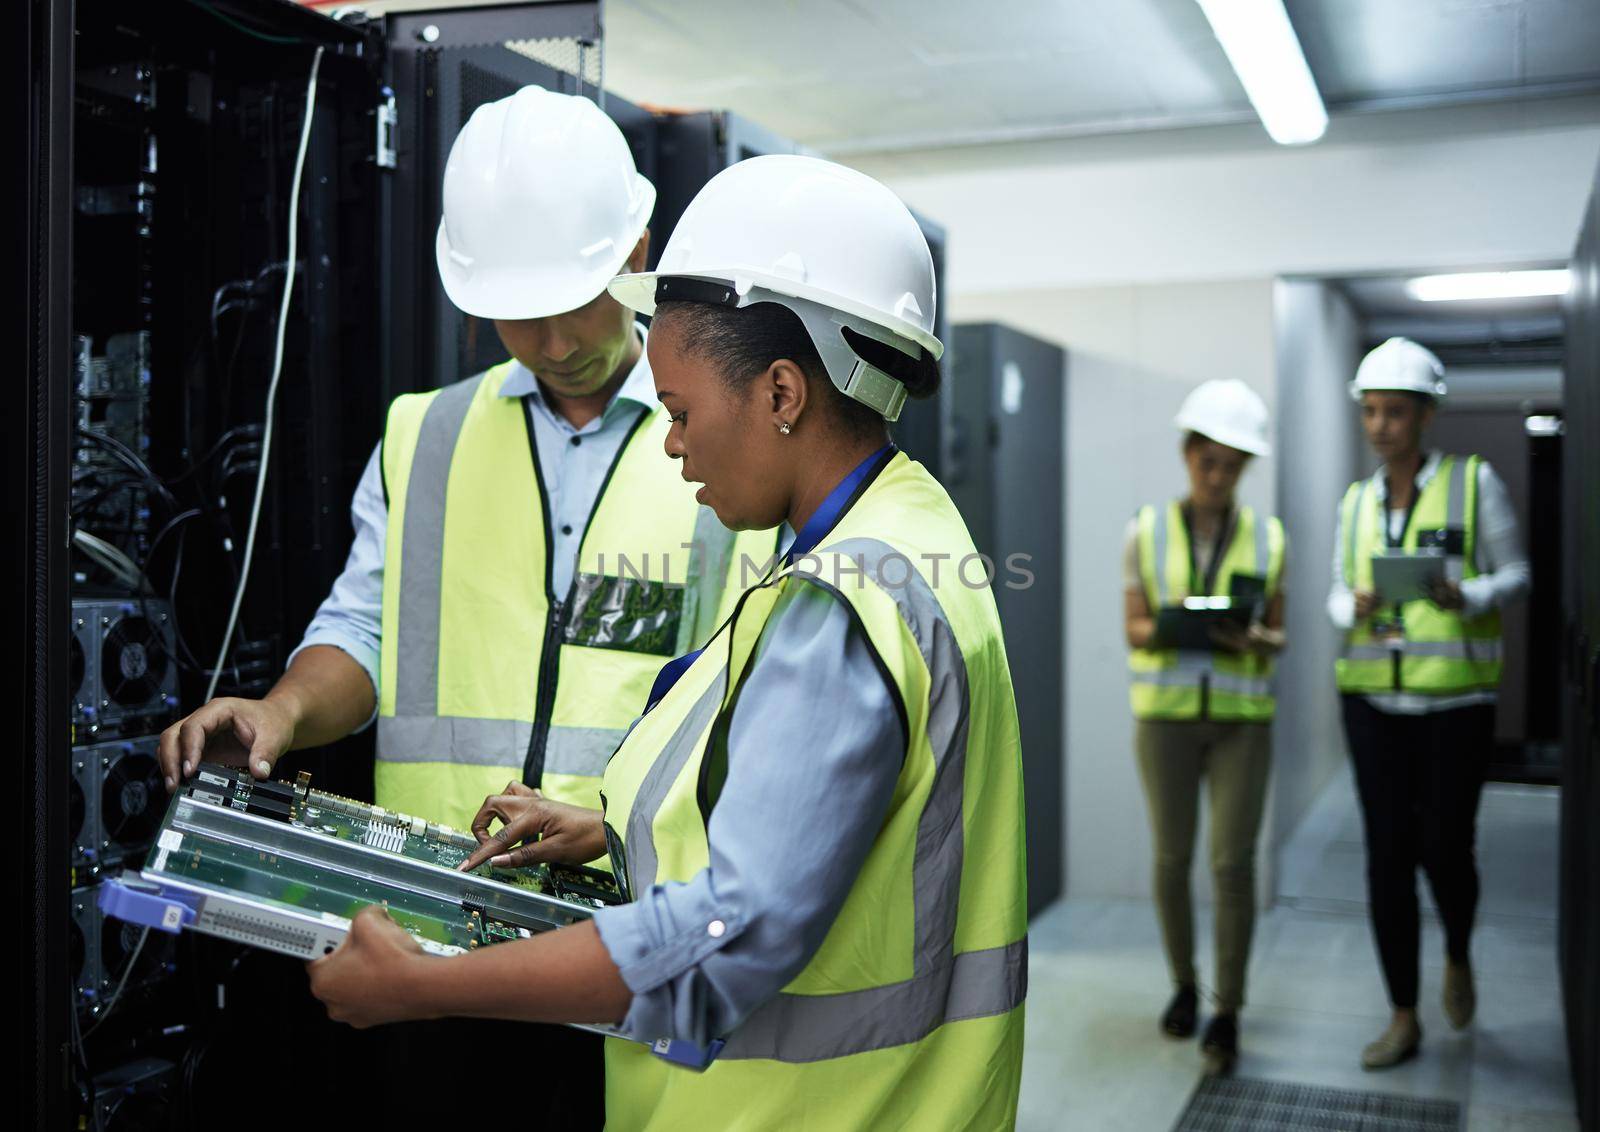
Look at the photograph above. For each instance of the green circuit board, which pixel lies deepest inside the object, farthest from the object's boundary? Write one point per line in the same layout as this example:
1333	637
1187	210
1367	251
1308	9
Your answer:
321	854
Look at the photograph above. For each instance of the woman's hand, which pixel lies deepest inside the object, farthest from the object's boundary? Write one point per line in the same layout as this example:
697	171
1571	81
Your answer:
368	980
1266	641
534	830
1446	594
1366	604
1231	638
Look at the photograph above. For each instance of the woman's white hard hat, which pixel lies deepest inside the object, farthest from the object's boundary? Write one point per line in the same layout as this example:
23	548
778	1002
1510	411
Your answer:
542	206
1229	412
830	243
1400	365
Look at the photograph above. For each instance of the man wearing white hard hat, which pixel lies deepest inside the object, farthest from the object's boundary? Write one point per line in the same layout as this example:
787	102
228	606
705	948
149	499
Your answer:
1420	673
1201	684
821	813
526	556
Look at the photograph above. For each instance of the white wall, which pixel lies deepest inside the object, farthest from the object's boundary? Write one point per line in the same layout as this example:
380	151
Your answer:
1466	186
1133	352
1318	345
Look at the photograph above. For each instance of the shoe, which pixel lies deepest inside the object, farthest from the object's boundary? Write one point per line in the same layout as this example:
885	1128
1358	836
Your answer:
1396	1044
1221	1041
1460	998
1179	1020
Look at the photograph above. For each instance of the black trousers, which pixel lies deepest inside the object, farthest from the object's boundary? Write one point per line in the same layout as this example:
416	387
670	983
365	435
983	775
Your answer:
1419	778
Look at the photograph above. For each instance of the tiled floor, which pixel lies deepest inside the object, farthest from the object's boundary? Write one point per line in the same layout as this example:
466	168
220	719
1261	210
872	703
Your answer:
1097	983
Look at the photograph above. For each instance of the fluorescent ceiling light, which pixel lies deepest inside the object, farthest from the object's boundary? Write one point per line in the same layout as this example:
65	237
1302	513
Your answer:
1489	285
1260	44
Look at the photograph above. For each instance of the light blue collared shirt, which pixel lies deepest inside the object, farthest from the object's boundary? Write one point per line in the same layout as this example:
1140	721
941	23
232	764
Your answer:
573	462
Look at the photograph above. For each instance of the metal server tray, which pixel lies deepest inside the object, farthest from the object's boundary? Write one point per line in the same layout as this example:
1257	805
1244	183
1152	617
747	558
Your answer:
284	868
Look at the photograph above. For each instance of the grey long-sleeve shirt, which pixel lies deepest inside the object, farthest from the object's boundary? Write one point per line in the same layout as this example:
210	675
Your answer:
815	746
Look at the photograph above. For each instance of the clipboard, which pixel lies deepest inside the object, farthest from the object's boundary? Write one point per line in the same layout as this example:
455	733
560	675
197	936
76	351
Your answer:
1188	626
1401	576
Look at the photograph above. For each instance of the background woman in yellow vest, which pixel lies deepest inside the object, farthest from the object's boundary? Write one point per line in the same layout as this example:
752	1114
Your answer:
1205	713
1419	676
820	814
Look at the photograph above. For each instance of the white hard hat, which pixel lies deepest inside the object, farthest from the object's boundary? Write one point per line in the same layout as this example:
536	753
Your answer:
829	243
542	206
1229	412
1400	364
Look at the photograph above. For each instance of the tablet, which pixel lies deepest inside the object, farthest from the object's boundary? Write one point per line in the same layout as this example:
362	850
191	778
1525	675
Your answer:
1403	576
1188	626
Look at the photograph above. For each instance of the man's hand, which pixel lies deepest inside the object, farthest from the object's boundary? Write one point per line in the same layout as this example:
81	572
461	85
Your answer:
535	830
1366	604
367	980
1446	594
253	733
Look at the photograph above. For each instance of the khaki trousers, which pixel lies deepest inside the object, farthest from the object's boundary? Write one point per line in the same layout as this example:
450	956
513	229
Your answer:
1234	759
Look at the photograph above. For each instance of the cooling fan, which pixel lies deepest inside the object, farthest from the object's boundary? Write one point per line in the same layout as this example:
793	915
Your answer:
133	662
130	673
83	658
133	798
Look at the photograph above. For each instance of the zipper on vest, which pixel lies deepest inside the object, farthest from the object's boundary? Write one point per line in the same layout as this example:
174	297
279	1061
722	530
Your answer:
1205	695
549	671
558	611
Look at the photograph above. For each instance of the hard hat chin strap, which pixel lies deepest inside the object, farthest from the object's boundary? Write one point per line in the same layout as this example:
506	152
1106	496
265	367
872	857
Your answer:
850	373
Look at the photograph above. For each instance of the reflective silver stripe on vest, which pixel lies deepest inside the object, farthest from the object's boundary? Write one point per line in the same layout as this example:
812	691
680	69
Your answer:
454	739
801	1028
471	741
944	987
710	560
1261	529
1485	650
640	836
580	750
1456	503
1218	681
1158	551
1352	542
416	690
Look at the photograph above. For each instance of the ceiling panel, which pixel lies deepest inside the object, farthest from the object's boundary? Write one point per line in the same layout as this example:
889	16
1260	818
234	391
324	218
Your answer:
1393	49
852	75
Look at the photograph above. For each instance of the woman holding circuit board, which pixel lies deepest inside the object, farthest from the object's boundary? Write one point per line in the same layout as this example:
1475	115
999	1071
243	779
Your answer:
1426	553
1203	616
819	816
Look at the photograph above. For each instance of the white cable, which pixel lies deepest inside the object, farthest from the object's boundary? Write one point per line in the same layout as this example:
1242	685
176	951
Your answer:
111	1005
277	371
118	564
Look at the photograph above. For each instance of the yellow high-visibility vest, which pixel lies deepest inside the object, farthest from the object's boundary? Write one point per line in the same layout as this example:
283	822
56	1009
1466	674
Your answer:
1191	683
1435	651
909	1016
486	675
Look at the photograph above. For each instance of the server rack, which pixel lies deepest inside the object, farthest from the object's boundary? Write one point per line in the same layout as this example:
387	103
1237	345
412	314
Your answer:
1580	690
1006	473
160	142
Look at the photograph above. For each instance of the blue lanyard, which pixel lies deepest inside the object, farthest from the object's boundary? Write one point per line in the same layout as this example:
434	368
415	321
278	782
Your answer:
816	529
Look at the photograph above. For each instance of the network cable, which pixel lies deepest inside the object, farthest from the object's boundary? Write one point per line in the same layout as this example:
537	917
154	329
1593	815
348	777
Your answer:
277	372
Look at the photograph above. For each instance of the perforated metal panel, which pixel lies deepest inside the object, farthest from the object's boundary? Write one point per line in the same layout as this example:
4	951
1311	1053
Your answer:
1233	1104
